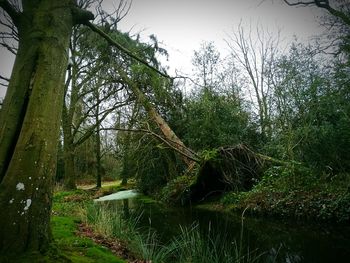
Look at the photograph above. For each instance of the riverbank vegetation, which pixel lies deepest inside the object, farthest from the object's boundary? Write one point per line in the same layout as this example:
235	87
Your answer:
78	222
69	245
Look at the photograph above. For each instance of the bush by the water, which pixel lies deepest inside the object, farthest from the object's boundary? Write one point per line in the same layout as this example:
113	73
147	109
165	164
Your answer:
297	192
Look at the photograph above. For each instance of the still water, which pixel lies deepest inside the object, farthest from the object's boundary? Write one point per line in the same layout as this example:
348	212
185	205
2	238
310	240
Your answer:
289	242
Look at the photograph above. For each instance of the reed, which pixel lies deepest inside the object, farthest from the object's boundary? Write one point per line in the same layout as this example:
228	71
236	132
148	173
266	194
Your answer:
189	246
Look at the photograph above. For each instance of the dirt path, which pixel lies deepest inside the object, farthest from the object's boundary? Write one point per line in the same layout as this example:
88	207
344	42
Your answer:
104	184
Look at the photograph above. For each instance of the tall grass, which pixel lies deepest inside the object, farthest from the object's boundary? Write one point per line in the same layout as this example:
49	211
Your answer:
190	246
109	221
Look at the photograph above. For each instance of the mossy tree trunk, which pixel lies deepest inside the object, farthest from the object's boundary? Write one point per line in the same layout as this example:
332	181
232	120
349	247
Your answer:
125	174
30	122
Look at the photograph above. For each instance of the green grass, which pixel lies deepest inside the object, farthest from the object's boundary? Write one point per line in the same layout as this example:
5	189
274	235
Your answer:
75	248
67	246
67	209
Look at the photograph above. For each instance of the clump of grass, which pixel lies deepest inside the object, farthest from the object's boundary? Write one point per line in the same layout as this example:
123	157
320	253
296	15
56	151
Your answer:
193	246
109	222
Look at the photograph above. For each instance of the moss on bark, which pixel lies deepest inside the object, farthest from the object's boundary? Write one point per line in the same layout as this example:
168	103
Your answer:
30	131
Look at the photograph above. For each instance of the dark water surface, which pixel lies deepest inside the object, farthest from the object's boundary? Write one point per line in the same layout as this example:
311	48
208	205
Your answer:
289	242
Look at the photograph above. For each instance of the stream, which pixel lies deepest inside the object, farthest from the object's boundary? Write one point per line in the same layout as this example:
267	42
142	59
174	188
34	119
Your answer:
289	242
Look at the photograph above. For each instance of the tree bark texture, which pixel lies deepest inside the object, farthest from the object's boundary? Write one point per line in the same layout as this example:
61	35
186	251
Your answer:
30	125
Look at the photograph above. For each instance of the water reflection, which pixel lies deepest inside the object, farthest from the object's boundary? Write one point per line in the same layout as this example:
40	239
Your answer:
287	242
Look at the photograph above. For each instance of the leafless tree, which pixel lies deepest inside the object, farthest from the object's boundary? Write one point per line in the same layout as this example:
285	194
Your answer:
253	53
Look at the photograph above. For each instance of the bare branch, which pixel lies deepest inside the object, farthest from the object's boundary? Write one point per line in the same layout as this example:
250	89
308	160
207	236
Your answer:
299	3
162	139
10	10
325	5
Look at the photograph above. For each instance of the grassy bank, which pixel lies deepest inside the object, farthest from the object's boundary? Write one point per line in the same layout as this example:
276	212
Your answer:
67	210
69	245
298	194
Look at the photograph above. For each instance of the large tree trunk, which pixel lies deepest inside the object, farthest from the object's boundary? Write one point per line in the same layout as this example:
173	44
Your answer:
188	155
68	151
169	134
69	170
30	125
16	100
98	141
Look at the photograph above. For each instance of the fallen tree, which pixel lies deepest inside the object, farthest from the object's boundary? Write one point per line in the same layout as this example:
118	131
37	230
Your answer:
226	168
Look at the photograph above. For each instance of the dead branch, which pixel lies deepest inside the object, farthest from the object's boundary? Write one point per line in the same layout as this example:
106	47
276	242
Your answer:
194	157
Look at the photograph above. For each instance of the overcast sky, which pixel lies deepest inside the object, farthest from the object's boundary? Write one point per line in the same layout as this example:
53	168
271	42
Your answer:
181	25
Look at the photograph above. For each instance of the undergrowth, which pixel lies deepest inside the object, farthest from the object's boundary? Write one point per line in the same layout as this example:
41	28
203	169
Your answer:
296	192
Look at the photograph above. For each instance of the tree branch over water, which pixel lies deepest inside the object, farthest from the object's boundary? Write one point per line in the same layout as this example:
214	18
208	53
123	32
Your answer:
194	156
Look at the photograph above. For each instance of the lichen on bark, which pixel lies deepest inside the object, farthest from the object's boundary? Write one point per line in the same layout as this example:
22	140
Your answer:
30	125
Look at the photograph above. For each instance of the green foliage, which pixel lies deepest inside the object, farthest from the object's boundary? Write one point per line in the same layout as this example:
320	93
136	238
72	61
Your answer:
295	191
177	190
207	155
311	112
233	198
212	120
154	164
282	178
192	246
111	223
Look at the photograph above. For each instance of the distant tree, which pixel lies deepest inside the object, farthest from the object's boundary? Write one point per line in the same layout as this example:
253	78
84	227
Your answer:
328	136
89	91
213	115
206	63
253	56
336	23
212	120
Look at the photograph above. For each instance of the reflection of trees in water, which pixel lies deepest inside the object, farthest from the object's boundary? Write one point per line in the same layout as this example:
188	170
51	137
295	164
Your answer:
285	243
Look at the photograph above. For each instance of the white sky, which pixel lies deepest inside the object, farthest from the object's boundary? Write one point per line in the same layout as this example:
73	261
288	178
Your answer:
181	25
